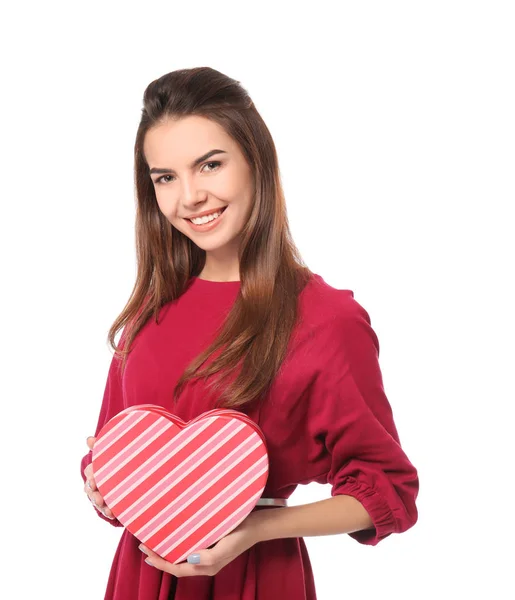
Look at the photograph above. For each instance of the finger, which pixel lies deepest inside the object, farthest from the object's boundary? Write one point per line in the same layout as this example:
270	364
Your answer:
97	499
206	558
90	441
180	570
102	506
107	512
88	491
90	496
90	478
93	502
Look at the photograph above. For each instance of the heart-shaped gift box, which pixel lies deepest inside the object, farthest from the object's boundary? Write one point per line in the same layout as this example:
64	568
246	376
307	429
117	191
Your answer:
180	487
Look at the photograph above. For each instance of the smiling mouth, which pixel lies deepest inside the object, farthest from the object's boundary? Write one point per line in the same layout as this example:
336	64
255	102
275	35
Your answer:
215	211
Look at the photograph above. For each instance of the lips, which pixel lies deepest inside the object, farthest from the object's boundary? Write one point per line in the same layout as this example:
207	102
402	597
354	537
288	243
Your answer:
208	214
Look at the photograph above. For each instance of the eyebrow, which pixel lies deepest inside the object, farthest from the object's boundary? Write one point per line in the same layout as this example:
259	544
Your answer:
196	162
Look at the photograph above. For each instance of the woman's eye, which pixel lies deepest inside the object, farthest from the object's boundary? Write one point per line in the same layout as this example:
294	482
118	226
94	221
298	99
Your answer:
158	180
216	164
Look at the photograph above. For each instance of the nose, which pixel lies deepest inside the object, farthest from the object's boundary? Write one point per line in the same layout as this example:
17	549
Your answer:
191	196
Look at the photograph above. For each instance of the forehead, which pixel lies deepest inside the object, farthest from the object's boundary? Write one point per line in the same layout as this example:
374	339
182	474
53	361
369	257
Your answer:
179	142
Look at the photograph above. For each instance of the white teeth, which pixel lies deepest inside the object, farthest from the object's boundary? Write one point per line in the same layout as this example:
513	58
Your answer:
206	219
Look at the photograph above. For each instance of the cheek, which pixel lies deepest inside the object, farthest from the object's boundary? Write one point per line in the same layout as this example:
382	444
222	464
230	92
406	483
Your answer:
166	204
226	186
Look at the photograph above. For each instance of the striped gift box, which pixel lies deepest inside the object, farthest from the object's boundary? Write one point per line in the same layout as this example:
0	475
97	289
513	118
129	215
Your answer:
180	487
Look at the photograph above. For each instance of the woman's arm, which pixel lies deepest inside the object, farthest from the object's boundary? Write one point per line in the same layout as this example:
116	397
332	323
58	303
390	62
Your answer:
338	514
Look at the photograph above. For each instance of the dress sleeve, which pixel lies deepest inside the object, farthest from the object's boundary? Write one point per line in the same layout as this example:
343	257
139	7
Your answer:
112	404
352	418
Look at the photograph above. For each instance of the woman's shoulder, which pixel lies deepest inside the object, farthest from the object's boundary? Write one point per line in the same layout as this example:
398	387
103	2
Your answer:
325	303
333	321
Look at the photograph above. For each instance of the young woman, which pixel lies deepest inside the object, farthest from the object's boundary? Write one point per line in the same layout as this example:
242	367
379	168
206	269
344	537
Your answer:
225	314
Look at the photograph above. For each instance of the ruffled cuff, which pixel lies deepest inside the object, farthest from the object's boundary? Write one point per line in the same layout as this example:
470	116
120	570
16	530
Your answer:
379	511
86	460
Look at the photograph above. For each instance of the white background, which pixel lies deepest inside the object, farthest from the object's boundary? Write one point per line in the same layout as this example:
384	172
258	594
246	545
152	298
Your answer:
394	125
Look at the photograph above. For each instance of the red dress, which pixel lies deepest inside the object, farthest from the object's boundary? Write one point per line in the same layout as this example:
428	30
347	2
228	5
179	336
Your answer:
325	419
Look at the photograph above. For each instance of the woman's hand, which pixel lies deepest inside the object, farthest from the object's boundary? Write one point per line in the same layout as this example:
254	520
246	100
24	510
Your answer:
91	489
212	559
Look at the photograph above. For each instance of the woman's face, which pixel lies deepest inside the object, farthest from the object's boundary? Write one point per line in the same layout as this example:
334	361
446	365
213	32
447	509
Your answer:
184	189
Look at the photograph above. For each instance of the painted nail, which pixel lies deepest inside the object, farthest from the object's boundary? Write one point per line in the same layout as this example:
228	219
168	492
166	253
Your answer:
148	562
194	559
143	549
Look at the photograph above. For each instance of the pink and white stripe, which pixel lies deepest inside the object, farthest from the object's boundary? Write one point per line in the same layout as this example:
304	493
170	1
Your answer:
203	486
178	473
211	509
153	463
180	487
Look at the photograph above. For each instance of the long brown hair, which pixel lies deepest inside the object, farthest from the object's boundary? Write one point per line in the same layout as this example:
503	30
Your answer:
272	274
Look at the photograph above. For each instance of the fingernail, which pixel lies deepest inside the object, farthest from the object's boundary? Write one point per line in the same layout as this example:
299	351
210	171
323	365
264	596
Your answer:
194	559
148	562
143	549
89	484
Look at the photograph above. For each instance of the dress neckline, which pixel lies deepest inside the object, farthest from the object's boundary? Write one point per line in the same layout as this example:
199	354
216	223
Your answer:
211	283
